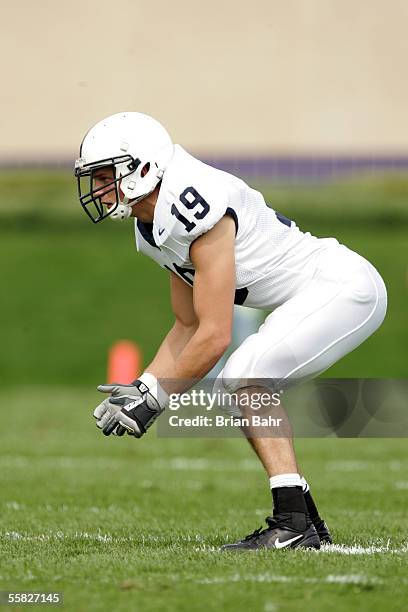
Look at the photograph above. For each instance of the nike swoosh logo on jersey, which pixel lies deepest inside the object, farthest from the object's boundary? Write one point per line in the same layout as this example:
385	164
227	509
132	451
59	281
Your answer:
161	231
286	542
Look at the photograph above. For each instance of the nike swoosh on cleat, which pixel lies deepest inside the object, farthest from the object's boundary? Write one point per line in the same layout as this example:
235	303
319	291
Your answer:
286	542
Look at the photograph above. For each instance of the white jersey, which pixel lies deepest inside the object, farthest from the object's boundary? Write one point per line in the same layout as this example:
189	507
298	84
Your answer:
273	258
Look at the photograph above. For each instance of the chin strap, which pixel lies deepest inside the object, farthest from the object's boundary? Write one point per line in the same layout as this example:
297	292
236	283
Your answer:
122	211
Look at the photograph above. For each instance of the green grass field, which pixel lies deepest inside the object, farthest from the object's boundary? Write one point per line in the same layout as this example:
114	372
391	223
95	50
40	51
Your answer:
119	524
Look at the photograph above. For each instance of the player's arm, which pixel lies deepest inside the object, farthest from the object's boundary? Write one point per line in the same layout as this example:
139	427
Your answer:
213	298
185	326
202	336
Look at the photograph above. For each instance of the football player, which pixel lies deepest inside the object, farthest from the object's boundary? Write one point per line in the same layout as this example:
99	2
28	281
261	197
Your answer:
222	245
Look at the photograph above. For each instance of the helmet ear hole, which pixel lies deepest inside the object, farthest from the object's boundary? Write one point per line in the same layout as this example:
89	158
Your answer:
145	170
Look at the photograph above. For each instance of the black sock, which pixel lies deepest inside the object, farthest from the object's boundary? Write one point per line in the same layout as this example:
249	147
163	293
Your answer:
311	508
290	506
288	499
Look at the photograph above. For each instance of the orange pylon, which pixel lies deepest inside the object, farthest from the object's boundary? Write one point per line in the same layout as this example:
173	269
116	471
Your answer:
124	362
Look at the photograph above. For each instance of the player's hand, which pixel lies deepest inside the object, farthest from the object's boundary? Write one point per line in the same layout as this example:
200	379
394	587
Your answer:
103	414
108	409
131	408
125	413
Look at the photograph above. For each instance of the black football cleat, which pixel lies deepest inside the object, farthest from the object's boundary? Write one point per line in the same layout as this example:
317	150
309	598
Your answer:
280	533
323	532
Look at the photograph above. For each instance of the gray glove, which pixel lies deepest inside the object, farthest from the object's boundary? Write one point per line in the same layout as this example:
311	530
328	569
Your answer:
130	408
104	412
118	389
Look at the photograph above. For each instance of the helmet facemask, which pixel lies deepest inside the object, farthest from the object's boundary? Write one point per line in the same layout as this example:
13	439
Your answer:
129	177
92	191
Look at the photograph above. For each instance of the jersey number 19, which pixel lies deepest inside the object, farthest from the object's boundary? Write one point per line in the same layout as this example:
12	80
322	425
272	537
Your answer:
190	198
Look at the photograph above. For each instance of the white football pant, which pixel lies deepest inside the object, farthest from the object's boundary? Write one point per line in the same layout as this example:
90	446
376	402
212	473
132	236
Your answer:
343	305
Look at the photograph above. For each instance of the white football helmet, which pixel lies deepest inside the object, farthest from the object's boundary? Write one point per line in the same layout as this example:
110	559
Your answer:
135	149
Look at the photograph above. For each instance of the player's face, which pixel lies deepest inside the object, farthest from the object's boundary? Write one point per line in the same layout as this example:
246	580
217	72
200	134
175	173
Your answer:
103	185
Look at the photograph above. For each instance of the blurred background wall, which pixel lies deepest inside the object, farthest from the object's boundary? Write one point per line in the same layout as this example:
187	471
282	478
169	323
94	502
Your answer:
314	76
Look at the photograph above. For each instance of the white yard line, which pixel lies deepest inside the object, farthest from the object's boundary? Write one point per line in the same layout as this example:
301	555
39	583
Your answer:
173	463
187	463
342	549
401	485
332	549
97	537
349	465
357	549
18	506
24	462
355	465
203	464
270	578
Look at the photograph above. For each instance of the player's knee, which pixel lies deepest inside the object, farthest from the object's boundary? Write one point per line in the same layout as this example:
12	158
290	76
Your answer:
369	290
226	399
